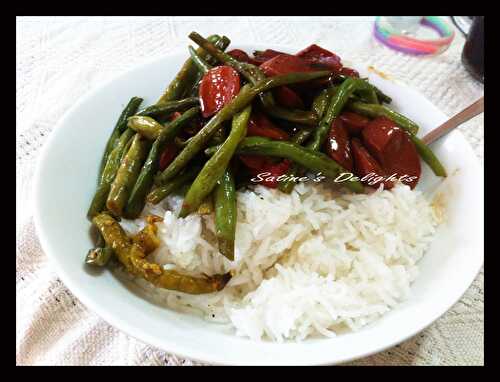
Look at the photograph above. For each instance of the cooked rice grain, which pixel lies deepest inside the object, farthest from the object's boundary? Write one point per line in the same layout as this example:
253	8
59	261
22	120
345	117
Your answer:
314	262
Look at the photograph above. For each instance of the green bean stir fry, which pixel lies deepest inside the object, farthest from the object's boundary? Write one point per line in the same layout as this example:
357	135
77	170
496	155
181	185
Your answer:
227	121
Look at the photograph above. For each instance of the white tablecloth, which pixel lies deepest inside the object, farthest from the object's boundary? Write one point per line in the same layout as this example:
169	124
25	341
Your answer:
60	58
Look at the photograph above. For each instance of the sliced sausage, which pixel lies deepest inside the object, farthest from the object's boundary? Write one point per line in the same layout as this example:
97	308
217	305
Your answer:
242	56
350	72
315	53
393	149
217	88
288	98
365	165
263	56
274	170
287	63
338	145
353	122
259	125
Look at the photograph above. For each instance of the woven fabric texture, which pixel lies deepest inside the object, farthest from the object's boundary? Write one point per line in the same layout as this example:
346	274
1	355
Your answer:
59	59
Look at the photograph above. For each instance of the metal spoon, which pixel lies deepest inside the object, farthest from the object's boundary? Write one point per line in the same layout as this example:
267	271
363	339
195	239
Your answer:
466	114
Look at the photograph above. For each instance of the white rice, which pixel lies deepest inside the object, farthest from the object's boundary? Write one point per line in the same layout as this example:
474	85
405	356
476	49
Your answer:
311	263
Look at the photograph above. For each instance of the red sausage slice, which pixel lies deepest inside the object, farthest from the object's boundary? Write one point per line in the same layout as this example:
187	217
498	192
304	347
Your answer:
394	150
349	72
353	122
218	87
242	56
403	160
274	170
315	53
377	135
259	164
259	125
254	162
288	98
338	146
287	63
365	165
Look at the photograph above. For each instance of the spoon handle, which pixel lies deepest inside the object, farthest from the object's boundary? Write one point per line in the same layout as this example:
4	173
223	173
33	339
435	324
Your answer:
466	114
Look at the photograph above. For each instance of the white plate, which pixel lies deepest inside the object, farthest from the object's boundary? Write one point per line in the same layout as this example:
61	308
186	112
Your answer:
66	180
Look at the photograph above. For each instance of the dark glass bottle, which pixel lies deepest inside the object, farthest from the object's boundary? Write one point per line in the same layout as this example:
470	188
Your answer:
473	53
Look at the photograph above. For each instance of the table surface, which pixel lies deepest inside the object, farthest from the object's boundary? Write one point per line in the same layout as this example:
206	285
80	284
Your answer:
59	59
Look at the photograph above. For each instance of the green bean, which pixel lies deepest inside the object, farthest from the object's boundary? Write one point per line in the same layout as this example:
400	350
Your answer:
202	65
319	106
302	117
337	102
167	108
145	179
108	175
428	156
146	126
322	100
147	238
161	192
253	74
245	97
185	79
210	151
411	127
369	96
374	111
288	185
119	128
127	174
206	207
224	196
214	168
219	136
132	256
127	147
310	159
99	256
384	98
301	136
179	142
